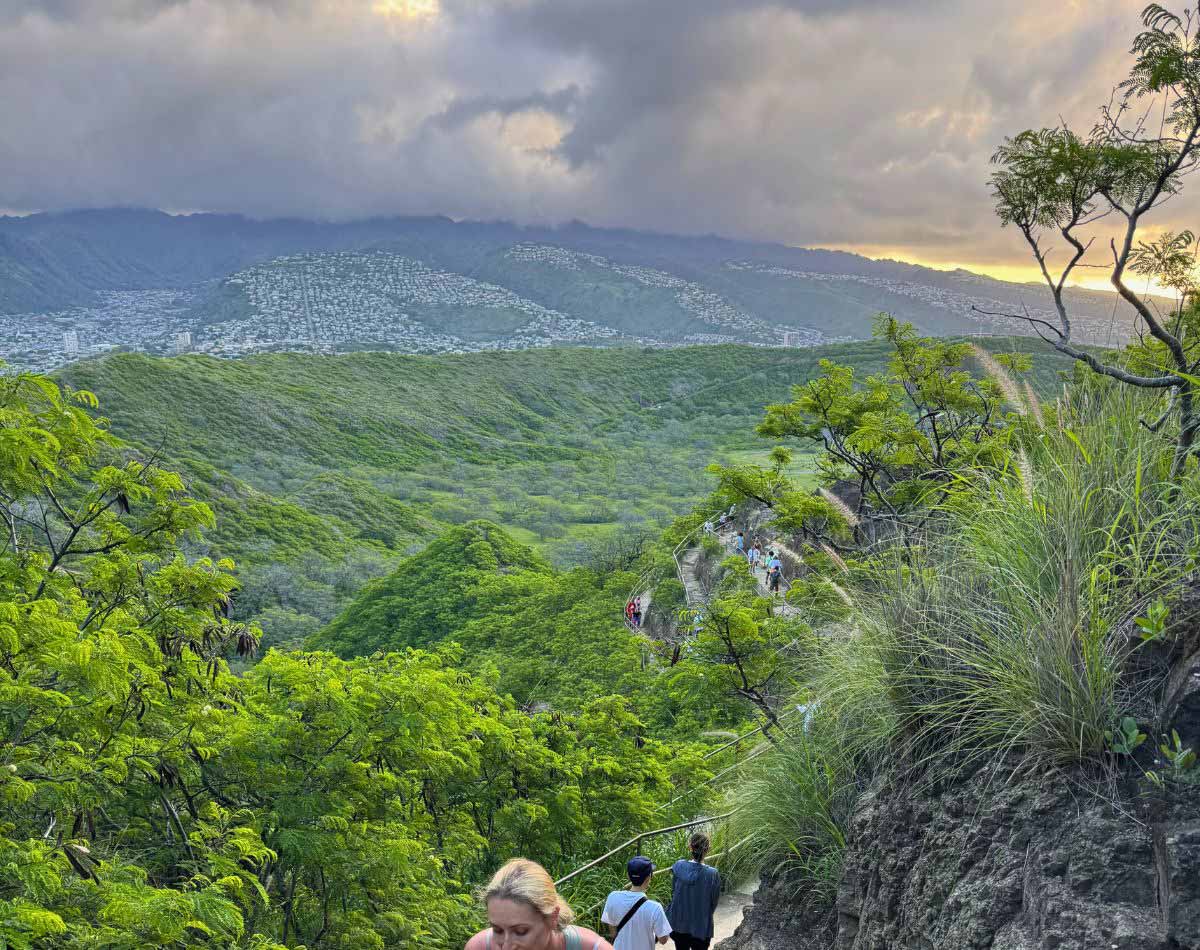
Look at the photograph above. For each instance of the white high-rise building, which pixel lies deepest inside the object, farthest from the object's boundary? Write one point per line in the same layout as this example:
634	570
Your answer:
791	338
71	342
183	341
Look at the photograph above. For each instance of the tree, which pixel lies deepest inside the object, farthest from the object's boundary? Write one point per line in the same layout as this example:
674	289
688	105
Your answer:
900	440
149	797
111	682
1055	182
736	634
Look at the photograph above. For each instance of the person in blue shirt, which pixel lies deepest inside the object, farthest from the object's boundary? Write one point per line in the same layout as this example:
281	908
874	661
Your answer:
694	893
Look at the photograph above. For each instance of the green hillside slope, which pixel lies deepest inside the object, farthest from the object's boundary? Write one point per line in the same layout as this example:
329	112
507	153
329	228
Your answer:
325	471
430	594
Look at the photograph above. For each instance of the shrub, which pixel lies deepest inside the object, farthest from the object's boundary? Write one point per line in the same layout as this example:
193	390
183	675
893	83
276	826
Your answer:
791	811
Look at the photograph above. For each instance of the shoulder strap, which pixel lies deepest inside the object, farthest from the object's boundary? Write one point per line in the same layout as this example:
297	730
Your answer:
488	944
573	940
629	916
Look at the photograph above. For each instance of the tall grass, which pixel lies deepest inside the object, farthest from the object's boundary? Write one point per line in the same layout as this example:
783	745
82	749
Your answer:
1012	628
1006	629
791	812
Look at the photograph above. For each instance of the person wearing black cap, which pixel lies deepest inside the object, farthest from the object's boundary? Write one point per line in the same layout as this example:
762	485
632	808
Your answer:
634	921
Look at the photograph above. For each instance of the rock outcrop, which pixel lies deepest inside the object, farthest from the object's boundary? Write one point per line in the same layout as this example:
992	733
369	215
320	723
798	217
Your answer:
993	862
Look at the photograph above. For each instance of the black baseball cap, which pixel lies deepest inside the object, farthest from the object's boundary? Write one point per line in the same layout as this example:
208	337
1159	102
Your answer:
639	869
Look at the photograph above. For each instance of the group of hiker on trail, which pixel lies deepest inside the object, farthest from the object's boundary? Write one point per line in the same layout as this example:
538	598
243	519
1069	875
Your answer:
633	613
755	556
525	911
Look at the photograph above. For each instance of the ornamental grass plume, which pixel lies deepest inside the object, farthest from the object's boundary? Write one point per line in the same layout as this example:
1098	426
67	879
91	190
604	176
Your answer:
1025	474
1035	406
840	592
840	507
835	557
1001	377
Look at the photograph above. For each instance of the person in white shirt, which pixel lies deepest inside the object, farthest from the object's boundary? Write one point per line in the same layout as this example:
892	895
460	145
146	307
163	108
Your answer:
634	921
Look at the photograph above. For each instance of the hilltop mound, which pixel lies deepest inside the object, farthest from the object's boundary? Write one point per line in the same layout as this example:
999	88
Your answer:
430	594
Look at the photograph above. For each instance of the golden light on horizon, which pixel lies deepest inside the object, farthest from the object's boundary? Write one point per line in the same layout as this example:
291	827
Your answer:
1092	279
407	9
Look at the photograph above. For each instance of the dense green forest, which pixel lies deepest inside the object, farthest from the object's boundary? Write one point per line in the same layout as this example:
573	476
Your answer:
323	472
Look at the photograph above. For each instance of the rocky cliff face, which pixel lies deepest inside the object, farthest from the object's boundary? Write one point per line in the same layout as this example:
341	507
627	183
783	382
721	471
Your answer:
1009	865
994	861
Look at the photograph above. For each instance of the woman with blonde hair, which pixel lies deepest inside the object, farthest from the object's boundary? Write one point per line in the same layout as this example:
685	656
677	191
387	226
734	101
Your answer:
526	913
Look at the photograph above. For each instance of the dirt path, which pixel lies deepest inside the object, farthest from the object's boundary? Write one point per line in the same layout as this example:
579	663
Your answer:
688	576
731	910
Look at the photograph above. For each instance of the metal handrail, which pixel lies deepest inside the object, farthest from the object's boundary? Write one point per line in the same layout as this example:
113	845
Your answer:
758	729
637	839
644	576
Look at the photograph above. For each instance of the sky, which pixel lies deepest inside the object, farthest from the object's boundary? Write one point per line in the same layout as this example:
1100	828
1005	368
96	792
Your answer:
865	125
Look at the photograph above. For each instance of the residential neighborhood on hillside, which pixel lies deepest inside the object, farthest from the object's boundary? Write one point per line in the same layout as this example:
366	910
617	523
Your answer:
420	286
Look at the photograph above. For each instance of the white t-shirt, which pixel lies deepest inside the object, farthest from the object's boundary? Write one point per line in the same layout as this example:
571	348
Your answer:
649	923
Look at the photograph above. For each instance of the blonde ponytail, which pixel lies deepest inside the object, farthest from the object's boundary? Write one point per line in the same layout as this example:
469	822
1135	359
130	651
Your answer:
528	883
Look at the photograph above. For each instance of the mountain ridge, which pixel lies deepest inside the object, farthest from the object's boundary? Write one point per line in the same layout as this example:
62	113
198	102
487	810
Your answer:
78	284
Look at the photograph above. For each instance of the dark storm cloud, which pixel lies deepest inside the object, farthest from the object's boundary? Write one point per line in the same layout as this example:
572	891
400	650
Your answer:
865	122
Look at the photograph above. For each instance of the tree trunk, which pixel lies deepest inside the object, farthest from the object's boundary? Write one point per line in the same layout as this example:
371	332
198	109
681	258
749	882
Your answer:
1189	423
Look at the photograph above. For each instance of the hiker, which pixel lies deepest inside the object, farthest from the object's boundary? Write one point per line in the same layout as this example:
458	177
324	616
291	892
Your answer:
526	913
774	576
739	543
722	521
634	921
629	612
637	613
694	895
752	557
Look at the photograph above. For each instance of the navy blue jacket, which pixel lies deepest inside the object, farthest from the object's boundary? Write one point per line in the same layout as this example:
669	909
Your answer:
694	895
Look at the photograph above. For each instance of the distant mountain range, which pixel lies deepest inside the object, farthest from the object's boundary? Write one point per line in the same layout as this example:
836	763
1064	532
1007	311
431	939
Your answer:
83	282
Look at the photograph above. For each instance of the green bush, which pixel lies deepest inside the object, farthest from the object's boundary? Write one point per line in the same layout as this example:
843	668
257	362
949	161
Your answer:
1020	623
792	808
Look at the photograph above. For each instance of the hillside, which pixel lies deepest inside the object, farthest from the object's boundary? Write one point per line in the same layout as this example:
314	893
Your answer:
82	283
308	801
430	594
324	472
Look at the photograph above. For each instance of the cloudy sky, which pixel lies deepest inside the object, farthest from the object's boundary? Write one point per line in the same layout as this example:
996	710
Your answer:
863	124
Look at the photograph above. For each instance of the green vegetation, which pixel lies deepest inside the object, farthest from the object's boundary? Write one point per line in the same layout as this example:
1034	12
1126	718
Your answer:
433	593
997	605
1053	183
479	701
324	472
150	797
